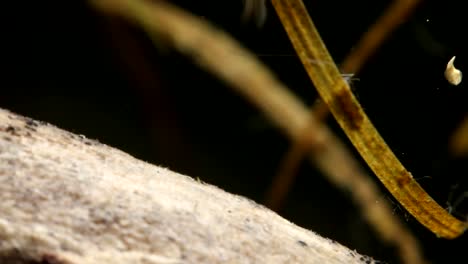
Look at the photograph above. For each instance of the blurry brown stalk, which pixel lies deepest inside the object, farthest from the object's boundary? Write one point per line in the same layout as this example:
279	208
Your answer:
211	49
459	140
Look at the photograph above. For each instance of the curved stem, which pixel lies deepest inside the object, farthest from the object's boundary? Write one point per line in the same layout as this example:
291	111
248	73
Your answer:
336	93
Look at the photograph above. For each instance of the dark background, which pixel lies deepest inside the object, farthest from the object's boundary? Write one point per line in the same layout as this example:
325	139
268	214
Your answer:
66	64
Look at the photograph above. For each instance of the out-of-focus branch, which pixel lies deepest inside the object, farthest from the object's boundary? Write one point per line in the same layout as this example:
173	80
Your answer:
459	140
218	53
285	175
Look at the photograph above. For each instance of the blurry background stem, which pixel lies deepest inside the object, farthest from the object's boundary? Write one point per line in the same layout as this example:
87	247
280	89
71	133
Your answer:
211	48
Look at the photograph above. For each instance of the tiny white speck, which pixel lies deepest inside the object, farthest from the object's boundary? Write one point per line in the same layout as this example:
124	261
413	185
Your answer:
427	20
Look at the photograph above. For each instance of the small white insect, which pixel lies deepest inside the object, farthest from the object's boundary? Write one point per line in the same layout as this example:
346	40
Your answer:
452	74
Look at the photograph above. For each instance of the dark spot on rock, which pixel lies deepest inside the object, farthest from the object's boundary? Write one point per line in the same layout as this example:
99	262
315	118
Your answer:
73	136
17	256
83	139
101	156
12	130
89	142
352	116
302	243
229	211
6	138
51	259
32	124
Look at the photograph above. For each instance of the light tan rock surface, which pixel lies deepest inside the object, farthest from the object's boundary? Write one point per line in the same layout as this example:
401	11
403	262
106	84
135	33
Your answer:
67	199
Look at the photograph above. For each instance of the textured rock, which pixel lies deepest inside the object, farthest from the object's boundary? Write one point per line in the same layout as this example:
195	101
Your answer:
67	199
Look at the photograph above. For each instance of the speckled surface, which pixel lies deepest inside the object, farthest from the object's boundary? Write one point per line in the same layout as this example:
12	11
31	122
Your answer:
67	199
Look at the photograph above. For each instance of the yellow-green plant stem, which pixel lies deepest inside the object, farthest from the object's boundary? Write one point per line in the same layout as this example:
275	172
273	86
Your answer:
335	92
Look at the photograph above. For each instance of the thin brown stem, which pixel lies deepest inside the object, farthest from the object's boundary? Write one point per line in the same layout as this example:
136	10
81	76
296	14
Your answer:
349	114
393	16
